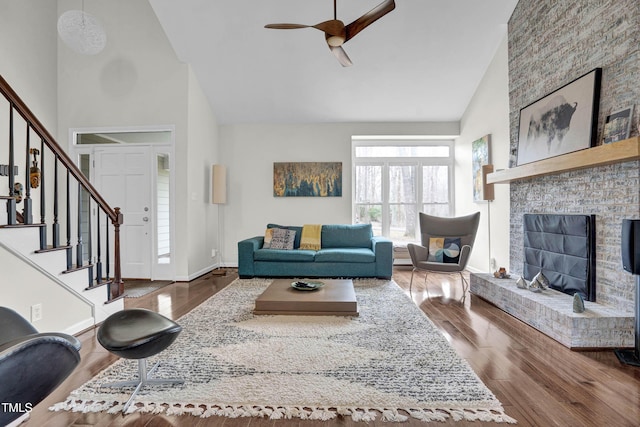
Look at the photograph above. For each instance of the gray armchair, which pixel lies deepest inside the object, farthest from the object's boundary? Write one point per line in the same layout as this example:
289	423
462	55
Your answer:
32	365
464	228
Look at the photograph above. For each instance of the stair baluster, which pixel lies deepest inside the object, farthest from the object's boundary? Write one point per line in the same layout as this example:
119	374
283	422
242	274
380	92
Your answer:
56	224
43	211
11	203
27	214
98	251
80	245
69	247
108	251
89	241
118	288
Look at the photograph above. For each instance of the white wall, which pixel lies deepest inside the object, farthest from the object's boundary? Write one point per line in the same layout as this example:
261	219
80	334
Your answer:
137	80
28	50
22	286
201	215
487	113
249	152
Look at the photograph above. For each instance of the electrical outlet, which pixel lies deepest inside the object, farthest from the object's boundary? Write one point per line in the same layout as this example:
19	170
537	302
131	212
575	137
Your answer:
36	312
494	264
213	253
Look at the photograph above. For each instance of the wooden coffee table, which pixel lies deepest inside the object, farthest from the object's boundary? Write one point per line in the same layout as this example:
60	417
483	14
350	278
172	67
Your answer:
335	298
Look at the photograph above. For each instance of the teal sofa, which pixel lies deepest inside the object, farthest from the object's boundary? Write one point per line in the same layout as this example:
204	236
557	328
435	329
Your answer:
346	251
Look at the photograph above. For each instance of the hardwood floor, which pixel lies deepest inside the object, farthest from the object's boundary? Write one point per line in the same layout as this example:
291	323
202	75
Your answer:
538	381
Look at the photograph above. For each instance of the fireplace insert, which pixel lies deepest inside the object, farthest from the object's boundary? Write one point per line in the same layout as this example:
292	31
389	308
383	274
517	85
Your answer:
563	248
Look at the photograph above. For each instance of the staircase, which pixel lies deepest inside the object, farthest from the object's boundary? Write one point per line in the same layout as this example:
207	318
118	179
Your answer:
75	242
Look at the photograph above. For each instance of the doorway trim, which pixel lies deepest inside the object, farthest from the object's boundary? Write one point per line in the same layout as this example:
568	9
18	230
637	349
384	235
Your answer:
164	271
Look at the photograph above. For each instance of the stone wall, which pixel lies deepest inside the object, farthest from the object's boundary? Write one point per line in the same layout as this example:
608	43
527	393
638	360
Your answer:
551	43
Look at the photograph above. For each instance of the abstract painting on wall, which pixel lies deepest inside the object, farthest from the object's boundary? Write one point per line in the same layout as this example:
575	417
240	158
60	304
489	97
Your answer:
479	156
307	179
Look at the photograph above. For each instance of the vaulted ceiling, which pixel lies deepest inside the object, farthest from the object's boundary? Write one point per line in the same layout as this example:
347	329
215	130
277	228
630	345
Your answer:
421	62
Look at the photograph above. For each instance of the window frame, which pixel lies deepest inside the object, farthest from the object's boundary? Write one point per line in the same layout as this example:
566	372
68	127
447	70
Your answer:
387	162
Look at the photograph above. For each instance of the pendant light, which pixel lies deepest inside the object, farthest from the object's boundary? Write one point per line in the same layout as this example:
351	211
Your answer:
81	32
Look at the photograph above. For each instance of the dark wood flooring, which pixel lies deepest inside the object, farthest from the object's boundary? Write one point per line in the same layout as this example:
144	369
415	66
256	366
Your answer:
538	381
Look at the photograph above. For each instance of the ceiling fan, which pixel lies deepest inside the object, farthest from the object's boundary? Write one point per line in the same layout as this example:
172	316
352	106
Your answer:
336	33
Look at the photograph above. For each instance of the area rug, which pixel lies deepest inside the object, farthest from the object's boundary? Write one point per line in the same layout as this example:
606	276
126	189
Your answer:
139	288
389	363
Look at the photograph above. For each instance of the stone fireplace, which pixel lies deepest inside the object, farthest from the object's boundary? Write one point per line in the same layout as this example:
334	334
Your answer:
562	247
550	44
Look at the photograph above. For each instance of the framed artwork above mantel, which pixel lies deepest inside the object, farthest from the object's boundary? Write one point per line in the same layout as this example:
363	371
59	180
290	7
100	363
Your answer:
561	122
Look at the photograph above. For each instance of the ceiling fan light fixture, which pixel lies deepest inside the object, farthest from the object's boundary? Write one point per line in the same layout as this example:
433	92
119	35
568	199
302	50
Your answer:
336	33
335	41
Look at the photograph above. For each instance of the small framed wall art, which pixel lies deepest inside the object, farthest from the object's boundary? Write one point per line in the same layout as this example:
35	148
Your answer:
617	126
480	156
307	179
563	121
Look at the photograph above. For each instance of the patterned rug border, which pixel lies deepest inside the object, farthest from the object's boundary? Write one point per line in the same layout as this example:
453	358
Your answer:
488	410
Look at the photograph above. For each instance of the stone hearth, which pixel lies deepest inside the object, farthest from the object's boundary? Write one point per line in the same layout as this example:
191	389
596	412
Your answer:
551	312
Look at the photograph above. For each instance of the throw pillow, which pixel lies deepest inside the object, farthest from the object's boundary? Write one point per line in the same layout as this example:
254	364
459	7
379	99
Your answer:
444	249
268	236
283	239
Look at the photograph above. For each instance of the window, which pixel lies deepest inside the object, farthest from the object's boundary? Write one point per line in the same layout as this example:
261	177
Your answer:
393	180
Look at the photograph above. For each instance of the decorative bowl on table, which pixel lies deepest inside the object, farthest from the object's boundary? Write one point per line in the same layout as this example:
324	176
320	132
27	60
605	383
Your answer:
306	285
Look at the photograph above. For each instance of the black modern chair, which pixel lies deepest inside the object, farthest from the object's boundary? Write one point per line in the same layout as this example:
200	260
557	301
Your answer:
463	228
137	334
32	364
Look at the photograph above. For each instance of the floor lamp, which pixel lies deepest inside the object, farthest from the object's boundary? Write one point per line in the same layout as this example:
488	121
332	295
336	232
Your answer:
218	197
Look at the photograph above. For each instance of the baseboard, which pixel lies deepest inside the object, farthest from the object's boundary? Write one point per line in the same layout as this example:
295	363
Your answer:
199	273
474	270
80	326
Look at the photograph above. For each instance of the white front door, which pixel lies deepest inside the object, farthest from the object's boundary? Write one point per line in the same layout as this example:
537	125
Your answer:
123	177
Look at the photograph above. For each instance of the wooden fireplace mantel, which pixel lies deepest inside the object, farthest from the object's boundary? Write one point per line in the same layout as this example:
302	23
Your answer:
606	154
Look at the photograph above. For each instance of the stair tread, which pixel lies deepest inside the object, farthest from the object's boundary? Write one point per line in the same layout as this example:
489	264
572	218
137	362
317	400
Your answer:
52	249
77	268
22	225
99	285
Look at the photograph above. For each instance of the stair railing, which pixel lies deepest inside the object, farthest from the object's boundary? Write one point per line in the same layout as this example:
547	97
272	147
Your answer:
70	185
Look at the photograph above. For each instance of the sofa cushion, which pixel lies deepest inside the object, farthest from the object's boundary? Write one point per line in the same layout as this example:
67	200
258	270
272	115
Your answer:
363	255
346	236
296	242
283	255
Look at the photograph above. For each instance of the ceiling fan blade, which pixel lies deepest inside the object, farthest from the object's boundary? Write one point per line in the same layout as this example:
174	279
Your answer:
286	26
333	27
369	18
342	56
